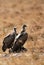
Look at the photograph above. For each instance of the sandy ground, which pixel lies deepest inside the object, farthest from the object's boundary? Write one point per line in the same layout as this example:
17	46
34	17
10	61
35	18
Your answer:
15	13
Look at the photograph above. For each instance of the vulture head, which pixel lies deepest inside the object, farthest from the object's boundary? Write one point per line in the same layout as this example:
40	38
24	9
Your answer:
15	29
23	28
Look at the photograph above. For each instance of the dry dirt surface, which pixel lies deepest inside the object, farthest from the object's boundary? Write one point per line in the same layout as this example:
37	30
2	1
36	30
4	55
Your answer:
16	13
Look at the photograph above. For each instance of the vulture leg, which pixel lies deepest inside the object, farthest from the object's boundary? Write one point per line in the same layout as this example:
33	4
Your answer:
23	49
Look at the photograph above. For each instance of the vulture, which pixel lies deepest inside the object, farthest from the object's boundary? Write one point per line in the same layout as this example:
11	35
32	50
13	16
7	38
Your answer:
20	40
8	41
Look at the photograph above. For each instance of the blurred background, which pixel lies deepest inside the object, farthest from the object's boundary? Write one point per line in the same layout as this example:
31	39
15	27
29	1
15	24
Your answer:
15	13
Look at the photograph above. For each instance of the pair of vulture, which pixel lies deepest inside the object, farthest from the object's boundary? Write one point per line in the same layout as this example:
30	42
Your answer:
14	42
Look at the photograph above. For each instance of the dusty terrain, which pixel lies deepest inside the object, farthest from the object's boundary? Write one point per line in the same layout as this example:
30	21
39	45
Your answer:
16	13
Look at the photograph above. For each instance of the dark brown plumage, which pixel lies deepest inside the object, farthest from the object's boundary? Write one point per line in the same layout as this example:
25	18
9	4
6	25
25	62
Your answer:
8	40
20	41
